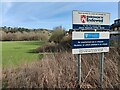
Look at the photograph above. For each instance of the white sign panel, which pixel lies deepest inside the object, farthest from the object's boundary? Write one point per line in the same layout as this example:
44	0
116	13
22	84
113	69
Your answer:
90	42
91	20
96	18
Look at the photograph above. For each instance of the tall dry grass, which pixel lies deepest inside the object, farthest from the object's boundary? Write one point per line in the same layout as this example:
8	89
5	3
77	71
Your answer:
60	71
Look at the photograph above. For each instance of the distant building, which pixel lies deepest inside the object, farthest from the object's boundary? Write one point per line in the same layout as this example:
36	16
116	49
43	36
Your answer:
115	38
115	26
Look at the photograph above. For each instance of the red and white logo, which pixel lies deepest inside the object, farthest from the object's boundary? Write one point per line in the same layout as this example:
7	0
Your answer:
83	18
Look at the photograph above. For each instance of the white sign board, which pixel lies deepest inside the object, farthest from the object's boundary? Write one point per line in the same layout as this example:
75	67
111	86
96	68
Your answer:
90	42
90	20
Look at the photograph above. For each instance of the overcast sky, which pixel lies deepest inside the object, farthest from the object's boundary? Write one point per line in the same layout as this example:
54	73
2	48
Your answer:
50	14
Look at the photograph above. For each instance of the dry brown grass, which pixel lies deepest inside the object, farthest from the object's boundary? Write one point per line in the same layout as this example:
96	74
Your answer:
60	71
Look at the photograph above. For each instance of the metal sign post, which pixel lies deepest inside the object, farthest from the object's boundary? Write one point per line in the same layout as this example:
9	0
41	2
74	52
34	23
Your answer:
101	69
79	68
88	41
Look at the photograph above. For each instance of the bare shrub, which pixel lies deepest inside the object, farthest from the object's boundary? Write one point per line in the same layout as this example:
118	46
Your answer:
25	36
8	36
18	36
0	35
41	36
51	47
64	45
4	35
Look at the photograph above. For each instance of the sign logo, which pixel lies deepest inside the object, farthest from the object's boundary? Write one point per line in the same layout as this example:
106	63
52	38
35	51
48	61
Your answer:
83	18
91	19
91	35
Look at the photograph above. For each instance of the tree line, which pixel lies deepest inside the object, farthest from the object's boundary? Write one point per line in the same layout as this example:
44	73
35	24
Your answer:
23	34
20	29
56	35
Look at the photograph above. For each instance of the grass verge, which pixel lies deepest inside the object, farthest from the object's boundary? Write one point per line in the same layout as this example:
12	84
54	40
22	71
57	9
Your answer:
15	53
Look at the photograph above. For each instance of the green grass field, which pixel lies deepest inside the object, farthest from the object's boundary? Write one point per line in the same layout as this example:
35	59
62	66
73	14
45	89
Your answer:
15	53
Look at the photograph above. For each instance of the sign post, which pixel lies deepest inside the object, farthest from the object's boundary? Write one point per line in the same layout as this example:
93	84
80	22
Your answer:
92	37
90	42
79	68
101	69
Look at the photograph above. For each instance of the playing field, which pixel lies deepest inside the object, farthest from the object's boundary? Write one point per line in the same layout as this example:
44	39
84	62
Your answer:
15	53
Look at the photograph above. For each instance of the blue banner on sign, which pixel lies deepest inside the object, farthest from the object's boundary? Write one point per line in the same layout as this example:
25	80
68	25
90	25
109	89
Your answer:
90	43
91	35
87	26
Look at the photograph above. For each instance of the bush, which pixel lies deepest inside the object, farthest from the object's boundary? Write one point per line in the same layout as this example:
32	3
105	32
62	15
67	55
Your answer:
57	35
51	47
64	45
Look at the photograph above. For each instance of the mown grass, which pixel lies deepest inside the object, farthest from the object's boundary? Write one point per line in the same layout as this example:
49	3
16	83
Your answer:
15	53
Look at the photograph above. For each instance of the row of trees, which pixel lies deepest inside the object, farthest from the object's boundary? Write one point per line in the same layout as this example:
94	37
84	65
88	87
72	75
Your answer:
24	36
20	29
56	35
